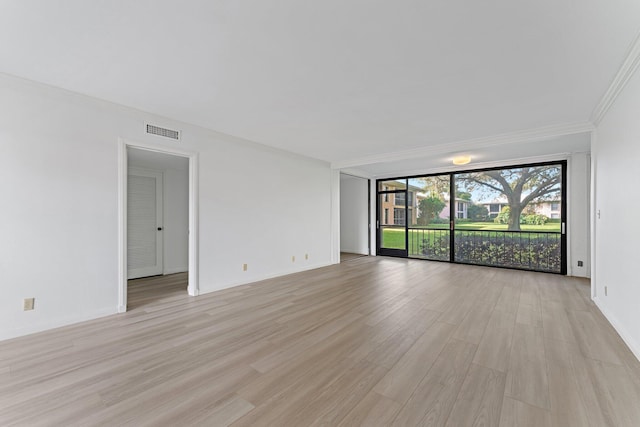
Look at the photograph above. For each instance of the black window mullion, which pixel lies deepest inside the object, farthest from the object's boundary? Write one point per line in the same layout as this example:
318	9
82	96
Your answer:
452	221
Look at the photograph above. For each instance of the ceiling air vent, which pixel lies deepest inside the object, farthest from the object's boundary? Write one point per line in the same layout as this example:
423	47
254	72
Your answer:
167	133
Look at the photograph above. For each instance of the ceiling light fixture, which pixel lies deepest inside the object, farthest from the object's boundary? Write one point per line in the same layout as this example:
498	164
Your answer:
461	160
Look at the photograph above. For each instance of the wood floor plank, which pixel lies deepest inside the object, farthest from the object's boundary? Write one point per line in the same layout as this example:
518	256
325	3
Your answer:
494	348
372	341
565	401
407	373
527	378
201	411
594	343
479	402
472	327
374	410
516	413
615	386
598	409
435	396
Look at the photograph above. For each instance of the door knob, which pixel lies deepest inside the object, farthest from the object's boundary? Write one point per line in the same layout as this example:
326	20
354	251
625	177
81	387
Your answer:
159	228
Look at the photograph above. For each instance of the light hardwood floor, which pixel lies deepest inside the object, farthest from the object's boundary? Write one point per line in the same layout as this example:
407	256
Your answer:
372	341
348	256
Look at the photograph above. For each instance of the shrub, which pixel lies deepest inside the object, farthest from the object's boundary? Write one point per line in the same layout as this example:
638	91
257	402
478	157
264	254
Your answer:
436	248
536	252
530	251
441	220
534	219
503	216
477	212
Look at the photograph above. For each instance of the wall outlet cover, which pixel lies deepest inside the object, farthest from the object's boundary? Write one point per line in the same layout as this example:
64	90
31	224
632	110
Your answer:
28	304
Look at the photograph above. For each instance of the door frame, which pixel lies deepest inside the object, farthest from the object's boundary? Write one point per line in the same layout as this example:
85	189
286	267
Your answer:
193	286
402	253
159	178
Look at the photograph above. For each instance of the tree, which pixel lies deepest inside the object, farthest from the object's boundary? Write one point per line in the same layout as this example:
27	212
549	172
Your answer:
430	208
464	195
477	212
433	185
520	186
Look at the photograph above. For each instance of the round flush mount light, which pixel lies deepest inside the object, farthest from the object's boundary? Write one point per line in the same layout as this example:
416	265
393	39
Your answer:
461	160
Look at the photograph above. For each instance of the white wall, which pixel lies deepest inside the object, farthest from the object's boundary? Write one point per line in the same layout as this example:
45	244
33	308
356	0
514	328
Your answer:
354	211
59	218
175	172
176	220
578	226
615	153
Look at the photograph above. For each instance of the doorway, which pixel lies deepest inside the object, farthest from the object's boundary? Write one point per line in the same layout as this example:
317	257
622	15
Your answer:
355	238
145	215
158	219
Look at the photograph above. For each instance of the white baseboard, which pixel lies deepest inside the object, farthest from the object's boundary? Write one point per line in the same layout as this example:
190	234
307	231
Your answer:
355	251
54	323
622	331
262	277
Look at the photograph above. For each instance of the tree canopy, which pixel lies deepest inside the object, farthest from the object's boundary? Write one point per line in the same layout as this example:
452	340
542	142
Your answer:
429	208
520	186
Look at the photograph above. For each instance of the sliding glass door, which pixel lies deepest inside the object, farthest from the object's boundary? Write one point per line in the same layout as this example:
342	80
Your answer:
392	217
428	231
503	217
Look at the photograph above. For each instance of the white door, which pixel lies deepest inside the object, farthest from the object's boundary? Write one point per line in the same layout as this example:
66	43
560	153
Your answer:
144	223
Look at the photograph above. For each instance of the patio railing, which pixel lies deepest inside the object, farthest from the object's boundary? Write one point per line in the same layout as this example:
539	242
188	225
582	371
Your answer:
528	250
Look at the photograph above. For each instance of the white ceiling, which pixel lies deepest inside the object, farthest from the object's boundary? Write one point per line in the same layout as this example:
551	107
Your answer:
338	80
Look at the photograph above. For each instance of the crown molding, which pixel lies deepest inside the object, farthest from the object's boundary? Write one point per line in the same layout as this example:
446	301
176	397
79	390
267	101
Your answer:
523	136
626	71
357	173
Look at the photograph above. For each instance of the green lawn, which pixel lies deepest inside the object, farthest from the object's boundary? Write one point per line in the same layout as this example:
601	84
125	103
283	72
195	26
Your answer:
394	238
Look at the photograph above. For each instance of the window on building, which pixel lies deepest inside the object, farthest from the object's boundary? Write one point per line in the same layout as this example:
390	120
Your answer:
399	199
398	216
555	206
386	216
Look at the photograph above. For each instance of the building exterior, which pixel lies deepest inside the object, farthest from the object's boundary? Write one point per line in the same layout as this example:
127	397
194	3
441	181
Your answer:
549	208
461	208
392	205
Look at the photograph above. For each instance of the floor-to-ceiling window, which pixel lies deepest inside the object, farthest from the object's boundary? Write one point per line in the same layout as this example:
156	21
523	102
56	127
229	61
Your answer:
429	234
504	217
392	217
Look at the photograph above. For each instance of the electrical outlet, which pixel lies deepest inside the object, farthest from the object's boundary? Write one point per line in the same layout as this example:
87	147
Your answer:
28	304
580	263
244	267
306	256
605	291
293	258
